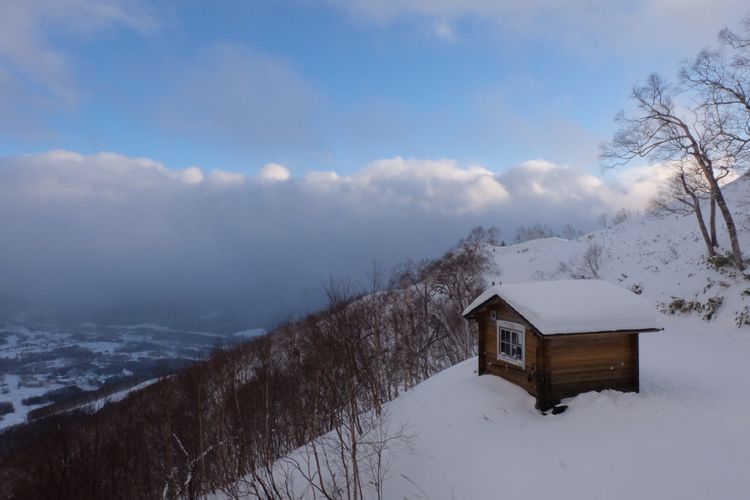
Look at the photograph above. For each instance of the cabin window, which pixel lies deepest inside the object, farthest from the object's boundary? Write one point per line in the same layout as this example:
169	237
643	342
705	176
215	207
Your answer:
510	342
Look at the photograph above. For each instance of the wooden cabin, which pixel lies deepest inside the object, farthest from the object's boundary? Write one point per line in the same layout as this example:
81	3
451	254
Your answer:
556	339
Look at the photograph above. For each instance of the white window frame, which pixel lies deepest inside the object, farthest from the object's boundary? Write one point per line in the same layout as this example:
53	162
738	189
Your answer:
521	331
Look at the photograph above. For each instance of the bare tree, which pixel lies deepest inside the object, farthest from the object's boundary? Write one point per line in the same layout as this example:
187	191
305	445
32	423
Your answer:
682	194
325	464
493	235
570	233
585	266
721	79
662	131
242	413
621	216
533	232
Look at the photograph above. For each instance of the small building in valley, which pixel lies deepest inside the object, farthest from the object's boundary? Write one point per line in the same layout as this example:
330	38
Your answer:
556	339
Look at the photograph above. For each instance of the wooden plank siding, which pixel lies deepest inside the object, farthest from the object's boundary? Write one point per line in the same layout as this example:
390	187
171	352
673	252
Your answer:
590	362
558	366
525	377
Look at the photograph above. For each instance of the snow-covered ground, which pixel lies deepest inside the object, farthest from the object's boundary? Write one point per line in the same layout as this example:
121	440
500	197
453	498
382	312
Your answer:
39	359
685	435
13	393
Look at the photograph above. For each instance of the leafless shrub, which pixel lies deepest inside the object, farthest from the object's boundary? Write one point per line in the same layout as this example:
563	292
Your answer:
327	464
534	232
621	216
679	305
570	233
586	265
742	318
229	423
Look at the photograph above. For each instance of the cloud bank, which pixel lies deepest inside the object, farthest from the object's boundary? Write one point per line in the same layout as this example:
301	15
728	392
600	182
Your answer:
109	229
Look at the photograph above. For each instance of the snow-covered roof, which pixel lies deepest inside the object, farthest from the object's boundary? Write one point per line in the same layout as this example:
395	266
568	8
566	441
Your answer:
574	306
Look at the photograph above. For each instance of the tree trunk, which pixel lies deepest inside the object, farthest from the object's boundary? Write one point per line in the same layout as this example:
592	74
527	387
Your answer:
708	171
707	239
739	261
712	222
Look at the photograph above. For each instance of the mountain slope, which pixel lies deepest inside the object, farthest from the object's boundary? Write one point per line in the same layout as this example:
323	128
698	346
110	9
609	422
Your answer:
662	258
685	435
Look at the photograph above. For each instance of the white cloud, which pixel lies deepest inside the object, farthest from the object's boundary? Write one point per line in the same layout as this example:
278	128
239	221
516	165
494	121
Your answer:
191	175
589	24
560	184
441	185
226	178
541	183
108	227
30	57
444	187
444	29
322	177
637	185
274	172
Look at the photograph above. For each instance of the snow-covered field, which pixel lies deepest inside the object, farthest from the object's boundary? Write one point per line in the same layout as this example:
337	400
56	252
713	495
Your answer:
37	360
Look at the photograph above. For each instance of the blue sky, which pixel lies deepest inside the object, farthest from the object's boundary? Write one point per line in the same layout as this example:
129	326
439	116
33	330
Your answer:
334	85
238	153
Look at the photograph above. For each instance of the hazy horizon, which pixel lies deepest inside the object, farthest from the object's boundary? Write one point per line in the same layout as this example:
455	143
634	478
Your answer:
234	157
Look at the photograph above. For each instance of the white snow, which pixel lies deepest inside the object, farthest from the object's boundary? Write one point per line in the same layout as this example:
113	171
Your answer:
116	396
572	306
17	393
250	333
685	435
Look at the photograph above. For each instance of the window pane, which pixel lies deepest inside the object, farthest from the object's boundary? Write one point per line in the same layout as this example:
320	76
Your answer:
510	343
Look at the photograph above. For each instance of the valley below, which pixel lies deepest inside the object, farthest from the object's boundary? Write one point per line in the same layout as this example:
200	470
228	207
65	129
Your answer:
43	365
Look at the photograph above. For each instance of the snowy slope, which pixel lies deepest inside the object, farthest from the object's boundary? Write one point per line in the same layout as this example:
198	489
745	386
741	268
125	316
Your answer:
663	257
685	435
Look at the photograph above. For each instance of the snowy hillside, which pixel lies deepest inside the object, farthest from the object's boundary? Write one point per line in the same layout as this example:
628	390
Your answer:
661	258
685	435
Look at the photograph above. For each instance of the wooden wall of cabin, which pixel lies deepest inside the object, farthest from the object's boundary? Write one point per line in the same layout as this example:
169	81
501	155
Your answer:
590	362
525	377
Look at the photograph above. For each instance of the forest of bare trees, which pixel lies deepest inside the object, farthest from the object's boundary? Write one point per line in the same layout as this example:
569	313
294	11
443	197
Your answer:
234	415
